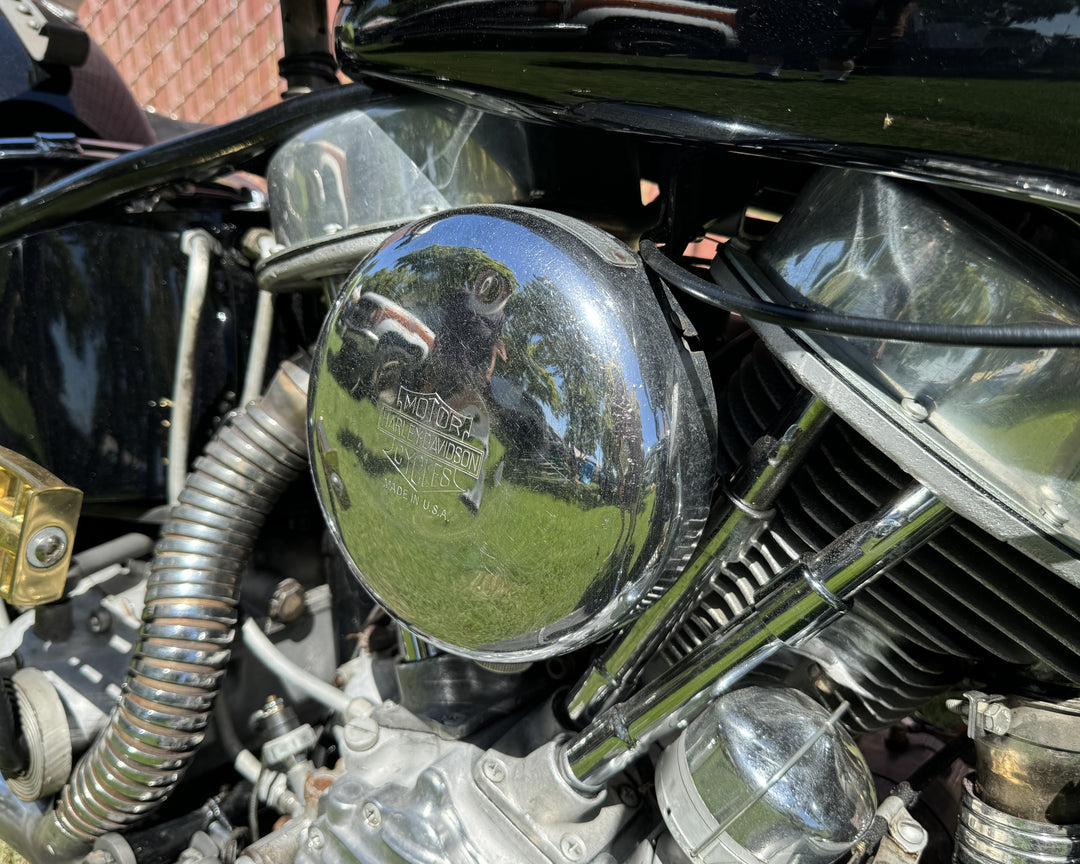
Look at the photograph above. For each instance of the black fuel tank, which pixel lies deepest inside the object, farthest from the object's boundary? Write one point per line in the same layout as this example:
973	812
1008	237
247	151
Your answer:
937	86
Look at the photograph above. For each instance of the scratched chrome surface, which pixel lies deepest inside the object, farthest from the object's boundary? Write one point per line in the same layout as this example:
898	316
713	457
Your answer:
503	435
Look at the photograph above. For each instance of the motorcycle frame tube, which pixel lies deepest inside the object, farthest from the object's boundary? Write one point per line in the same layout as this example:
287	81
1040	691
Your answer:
743	511
199	156
808	596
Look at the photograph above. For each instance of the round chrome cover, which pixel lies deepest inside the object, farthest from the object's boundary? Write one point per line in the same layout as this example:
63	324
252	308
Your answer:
765	775
504	435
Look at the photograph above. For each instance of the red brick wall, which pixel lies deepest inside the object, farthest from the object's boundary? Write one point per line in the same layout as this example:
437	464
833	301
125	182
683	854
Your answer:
201	60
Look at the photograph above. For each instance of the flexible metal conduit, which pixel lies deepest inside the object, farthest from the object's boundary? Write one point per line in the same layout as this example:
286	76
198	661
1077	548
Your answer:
189	618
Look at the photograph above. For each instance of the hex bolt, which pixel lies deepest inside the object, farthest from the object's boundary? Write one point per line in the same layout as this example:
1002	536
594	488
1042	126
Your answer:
494	770
914	410
47	547
629	796
372	816
100	621
572	847
287	603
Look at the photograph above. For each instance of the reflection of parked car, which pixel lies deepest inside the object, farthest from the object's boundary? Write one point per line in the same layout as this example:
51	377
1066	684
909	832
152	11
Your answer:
680	26
629	26
379	339
387	324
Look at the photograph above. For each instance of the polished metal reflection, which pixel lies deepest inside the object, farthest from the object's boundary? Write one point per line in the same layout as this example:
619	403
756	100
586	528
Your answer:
503	433
765	775
920	76
737	520
805	597
391	163
986	835
874	247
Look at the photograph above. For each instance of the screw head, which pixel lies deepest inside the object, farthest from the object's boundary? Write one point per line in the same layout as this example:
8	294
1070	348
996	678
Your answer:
372	816
315	838
629	796
100	621
1055	512
494	770
572	847
47	547
336	483
361	733
914	410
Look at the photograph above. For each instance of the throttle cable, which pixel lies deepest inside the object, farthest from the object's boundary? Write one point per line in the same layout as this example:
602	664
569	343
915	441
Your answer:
796	318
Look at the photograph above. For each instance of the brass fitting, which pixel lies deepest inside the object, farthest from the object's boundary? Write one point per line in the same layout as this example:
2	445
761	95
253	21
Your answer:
38	515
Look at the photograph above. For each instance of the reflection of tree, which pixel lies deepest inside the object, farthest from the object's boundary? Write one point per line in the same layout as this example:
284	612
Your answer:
620	438
544	351
429	275
999	14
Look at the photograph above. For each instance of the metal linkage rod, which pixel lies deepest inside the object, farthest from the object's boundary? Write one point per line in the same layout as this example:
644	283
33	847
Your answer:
807	597
736	522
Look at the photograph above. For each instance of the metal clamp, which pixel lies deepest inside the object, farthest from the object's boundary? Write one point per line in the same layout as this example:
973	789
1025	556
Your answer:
984	713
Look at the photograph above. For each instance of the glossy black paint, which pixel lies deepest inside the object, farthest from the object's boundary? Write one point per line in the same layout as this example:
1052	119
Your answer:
89	316
198	156
985	95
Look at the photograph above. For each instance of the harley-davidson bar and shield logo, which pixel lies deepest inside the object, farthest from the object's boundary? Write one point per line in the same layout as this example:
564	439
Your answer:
429	446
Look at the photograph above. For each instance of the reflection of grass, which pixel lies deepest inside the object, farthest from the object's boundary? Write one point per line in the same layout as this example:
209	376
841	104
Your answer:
1044	444
989	117
525	559
1034	444
9	855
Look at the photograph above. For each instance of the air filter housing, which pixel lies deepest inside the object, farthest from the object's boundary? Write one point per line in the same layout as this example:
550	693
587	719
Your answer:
508	443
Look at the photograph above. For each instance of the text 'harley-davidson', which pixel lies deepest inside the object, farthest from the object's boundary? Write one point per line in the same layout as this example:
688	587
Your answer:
618	431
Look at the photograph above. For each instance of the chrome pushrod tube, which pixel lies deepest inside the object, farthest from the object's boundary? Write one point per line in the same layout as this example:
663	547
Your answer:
738	519
805	598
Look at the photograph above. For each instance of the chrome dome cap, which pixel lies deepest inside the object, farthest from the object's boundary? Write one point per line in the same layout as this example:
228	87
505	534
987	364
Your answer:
504	433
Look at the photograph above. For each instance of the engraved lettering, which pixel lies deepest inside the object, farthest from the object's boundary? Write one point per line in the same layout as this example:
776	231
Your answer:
430	442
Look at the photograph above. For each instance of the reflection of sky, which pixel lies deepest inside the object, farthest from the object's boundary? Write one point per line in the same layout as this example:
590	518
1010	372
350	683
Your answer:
1064	23
77	370
516	246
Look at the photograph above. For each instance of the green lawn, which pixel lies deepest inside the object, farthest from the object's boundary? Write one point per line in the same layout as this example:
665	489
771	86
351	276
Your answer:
9	855
525	558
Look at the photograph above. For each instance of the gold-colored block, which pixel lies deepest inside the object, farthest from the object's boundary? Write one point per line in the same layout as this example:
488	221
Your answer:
38	515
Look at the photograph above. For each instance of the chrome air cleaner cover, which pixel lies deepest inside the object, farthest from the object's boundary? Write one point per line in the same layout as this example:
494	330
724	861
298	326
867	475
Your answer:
506	440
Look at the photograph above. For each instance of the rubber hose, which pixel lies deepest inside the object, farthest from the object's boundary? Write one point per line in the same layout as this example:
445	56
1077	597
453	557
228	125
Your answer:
189	616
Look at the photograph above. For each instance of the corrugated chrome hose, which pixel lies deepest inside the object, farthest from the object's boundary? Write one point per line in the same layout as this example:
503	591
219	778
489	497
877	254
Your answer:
189	617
